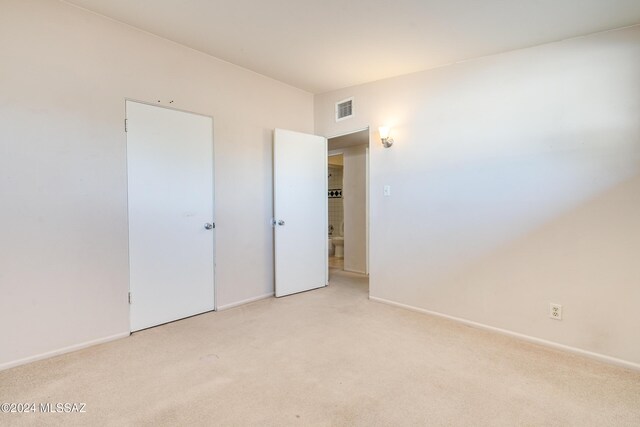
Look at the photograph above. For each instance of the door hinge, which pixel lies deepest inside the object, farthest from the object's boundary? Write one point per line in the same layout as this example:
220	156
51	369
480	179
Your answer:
129	297
125	126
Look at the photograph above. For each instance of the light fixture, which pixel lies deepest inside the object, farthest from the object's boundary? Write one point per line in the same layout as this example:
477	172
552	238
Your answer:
384	136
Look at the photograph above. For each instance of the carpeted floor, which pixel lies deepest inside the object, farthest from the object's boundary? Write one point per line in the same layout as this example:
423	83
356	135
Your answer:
325	357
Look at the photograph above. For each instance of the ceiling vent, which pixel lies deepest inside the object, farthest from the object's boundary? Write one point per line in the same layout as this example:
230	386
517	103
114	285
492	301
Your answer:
344	109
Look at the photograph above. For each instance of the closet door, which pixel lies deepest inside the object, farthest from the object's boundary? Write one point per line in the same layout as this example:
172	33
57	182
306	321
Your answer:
171	229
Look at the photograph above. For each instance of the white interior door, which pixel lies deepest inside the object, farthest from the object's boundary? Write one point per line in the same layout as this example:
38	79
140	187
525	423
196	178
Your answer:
170	174
300	211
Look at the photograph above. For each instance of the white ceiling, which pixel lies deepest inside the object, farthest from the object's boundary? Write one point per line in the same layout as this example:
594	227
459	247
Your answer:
321	45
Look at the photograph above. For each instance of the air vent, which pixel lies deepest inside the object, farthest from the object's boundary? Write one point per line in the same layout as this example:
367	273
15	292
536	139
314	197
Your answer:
344	109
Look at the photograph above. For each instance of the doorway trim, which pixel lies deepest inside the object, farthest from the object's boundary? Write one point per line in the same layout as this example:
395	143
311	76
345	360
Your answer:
367	186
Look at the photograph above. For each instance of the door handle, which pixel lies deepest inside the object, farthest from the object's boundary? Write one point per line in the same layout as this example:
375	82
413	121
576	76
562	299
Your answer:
209	226
280	222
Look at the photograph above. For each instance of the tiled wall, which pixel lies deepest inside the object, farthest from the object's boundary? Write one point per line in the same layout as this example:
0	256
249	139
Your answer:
336	214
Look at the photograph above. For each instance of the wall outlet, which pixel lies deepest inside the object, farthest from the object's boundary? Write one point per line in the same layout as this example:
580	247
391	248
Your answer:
555	311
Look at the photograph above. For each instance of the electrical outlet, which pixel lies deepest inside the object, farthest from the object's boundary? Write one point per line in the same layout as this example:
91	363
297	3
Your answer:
555	311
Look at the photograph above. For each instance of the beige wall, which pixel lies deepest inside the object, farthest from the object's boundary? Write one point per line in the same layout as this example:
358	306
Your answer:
64	76
515	182
355	214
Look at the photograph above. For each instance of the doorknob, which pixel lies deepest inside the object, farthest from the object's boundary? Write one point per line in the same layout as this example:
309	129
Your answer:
209	226
280	222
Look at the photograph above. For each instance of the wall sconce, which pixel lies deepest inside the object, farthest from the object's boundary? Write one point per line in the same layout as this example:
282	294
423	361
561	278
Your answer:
384	136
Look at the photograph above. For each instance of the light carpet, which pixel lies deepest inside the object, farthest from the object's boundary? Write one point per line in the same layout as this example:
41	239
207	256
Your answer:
328	357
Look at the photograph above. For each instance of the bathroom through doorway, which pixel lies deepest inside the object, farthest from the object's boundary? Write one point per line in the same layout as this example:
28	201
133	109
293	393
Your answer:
335	206
348	222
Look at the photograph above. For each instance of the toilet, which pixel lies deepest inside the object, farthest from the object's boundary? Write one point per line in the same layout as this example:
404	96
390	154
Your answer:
338	242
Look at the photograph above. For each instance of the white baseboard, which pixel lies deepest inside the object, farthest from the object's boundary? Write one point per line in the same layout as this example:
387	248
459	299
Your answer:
86	344
60	351
528	338
245	301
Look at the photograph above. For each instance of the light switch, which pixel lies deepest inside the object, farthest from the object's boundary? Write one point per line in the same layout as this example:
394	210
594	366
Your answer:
387	190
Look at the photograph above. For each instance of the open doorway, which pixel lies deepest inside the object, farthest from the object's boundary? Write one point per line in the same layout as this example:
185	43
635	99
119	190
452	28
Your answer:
348	201
336	210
